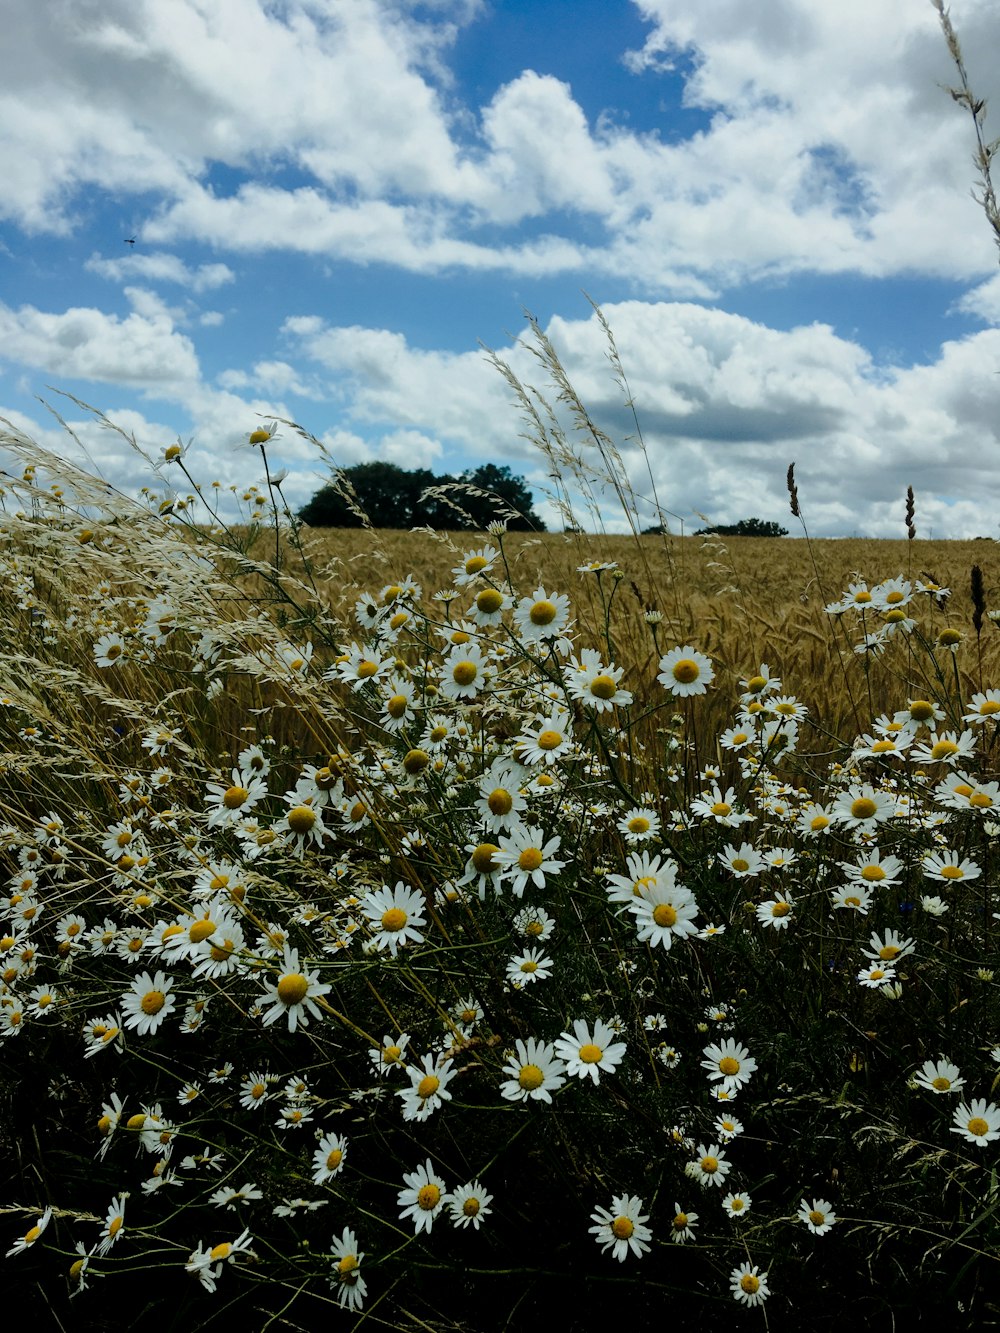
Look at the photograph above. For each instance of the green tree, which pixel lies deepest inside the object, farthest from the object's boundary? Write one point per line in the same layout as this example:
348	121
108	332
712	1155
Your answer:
746	527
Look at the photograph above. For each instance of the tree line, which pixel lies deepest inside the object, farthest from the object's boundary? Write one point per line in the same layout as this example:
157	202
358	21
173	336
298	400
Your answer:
395	497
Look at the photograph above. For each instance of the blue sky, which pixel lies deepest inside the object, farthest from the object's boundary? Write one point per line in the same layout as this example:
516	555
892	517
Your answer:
336	201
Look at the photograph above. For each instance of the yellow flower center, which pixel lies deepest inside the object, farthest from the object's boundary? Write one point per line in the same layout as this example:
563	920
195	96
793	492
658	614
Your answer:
530	1078
201	931
221	1251
367	669
591	1054
394	919
750	1284
978	1126
542	613
948	638
464	673
883	747
31	1236
622	1228
347	1265
428	1086
980	800
737	1205
638	824
888	952
921	710
429	1197
665	915
292	988
115	1226
873	874
234	797
549	739
989	707
710	1165
396	706
943	749
603	687
952	872
500	801
941	1084
680	1221
530	859
819	822
729	1066
482	858
853	901
415	761
471	1207
391	1054
863	808
489	601
780	909
301	818
152	1002
739	863
475	563
755	684
686	671
721	809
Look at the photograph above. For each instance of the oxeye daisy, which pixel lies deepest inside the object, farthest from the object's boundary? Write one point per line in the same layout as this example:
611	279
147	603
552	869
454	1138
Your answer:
534	923
534	1072
328	1158
29	1238
464	673
589	1052
525	856
862	807
206	1262
148	1002
984	707
645	873
548	740
475	564
949	867
737	1204
775	912
423	1198
346	1275
596	685
978	1121
748	1284
874	868
729	1062
818	1216
532	965
428	1088
889	947
394	915
469	1204
742	861
389	1055
663	914
639	824
710	1166
685	671
541	616
880	974
293	995
229	803
114	1224
682	1227
939	1076
621	1227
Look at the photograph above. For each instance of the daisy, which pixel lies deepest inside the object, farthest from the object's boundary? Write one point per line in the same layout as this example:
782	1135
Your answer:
26	1241
469	1204
747	1283
720	806
949	867
113	1224
879	975
302	823
229	804
978	1122
390	1054
854	897
710	1166
206	1262
644	874
934	906
534	923
548	740
863	807
463	673
148	1002
775	912
728	1127
597	686
736	1205
228	1197
639	824
888	948
532	965
293	995
622	1227
534	1072
395	915
588	1052
475	564
818	1216
743	861
488	607
663	913
729	1062
946	747
428	1088
983	708
109	650
872	868
501	802
525	857
358	667
939	1076
346	1275
423	1198
683	1225
541	616
684	671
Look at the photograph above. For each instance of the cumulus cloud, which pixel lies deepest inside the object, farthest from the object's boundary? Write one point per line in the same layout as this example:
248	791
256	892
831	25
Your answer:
161	266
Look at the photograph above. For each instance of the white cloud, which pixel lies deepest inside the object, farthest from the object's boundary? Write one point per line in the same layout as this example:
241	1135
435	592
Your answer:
161	267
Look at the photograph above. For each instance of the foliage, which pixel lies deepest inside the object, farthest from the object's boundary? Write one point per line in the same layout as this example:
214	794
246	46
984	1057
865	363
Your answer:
384	495
746	527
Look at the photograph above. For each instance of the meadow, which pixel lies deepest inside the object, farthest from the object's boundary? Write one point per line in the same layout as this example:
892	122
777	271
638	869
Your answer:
419	930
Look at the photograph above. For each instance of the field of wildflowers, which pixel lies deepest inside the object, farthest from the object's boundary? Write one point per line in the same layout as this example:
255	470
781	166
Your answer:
421	956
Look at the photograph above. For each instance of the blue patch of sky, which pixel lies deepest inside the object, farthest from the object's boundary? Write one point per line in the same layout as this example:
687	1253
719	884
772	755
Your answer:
900	321
582	43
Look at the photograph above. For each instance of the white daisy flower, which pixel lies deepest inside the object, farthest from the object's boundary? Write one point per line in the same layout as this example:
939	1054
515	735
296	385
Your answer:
534	1072
394	915
423	1198
469	1204
818	1216
589	1052
685	671
293	995
621	1227
148	1002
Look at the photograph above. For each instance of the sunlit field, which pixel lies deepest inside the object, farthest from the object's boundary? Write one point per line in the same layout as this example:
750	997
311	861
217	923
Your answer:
418	930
